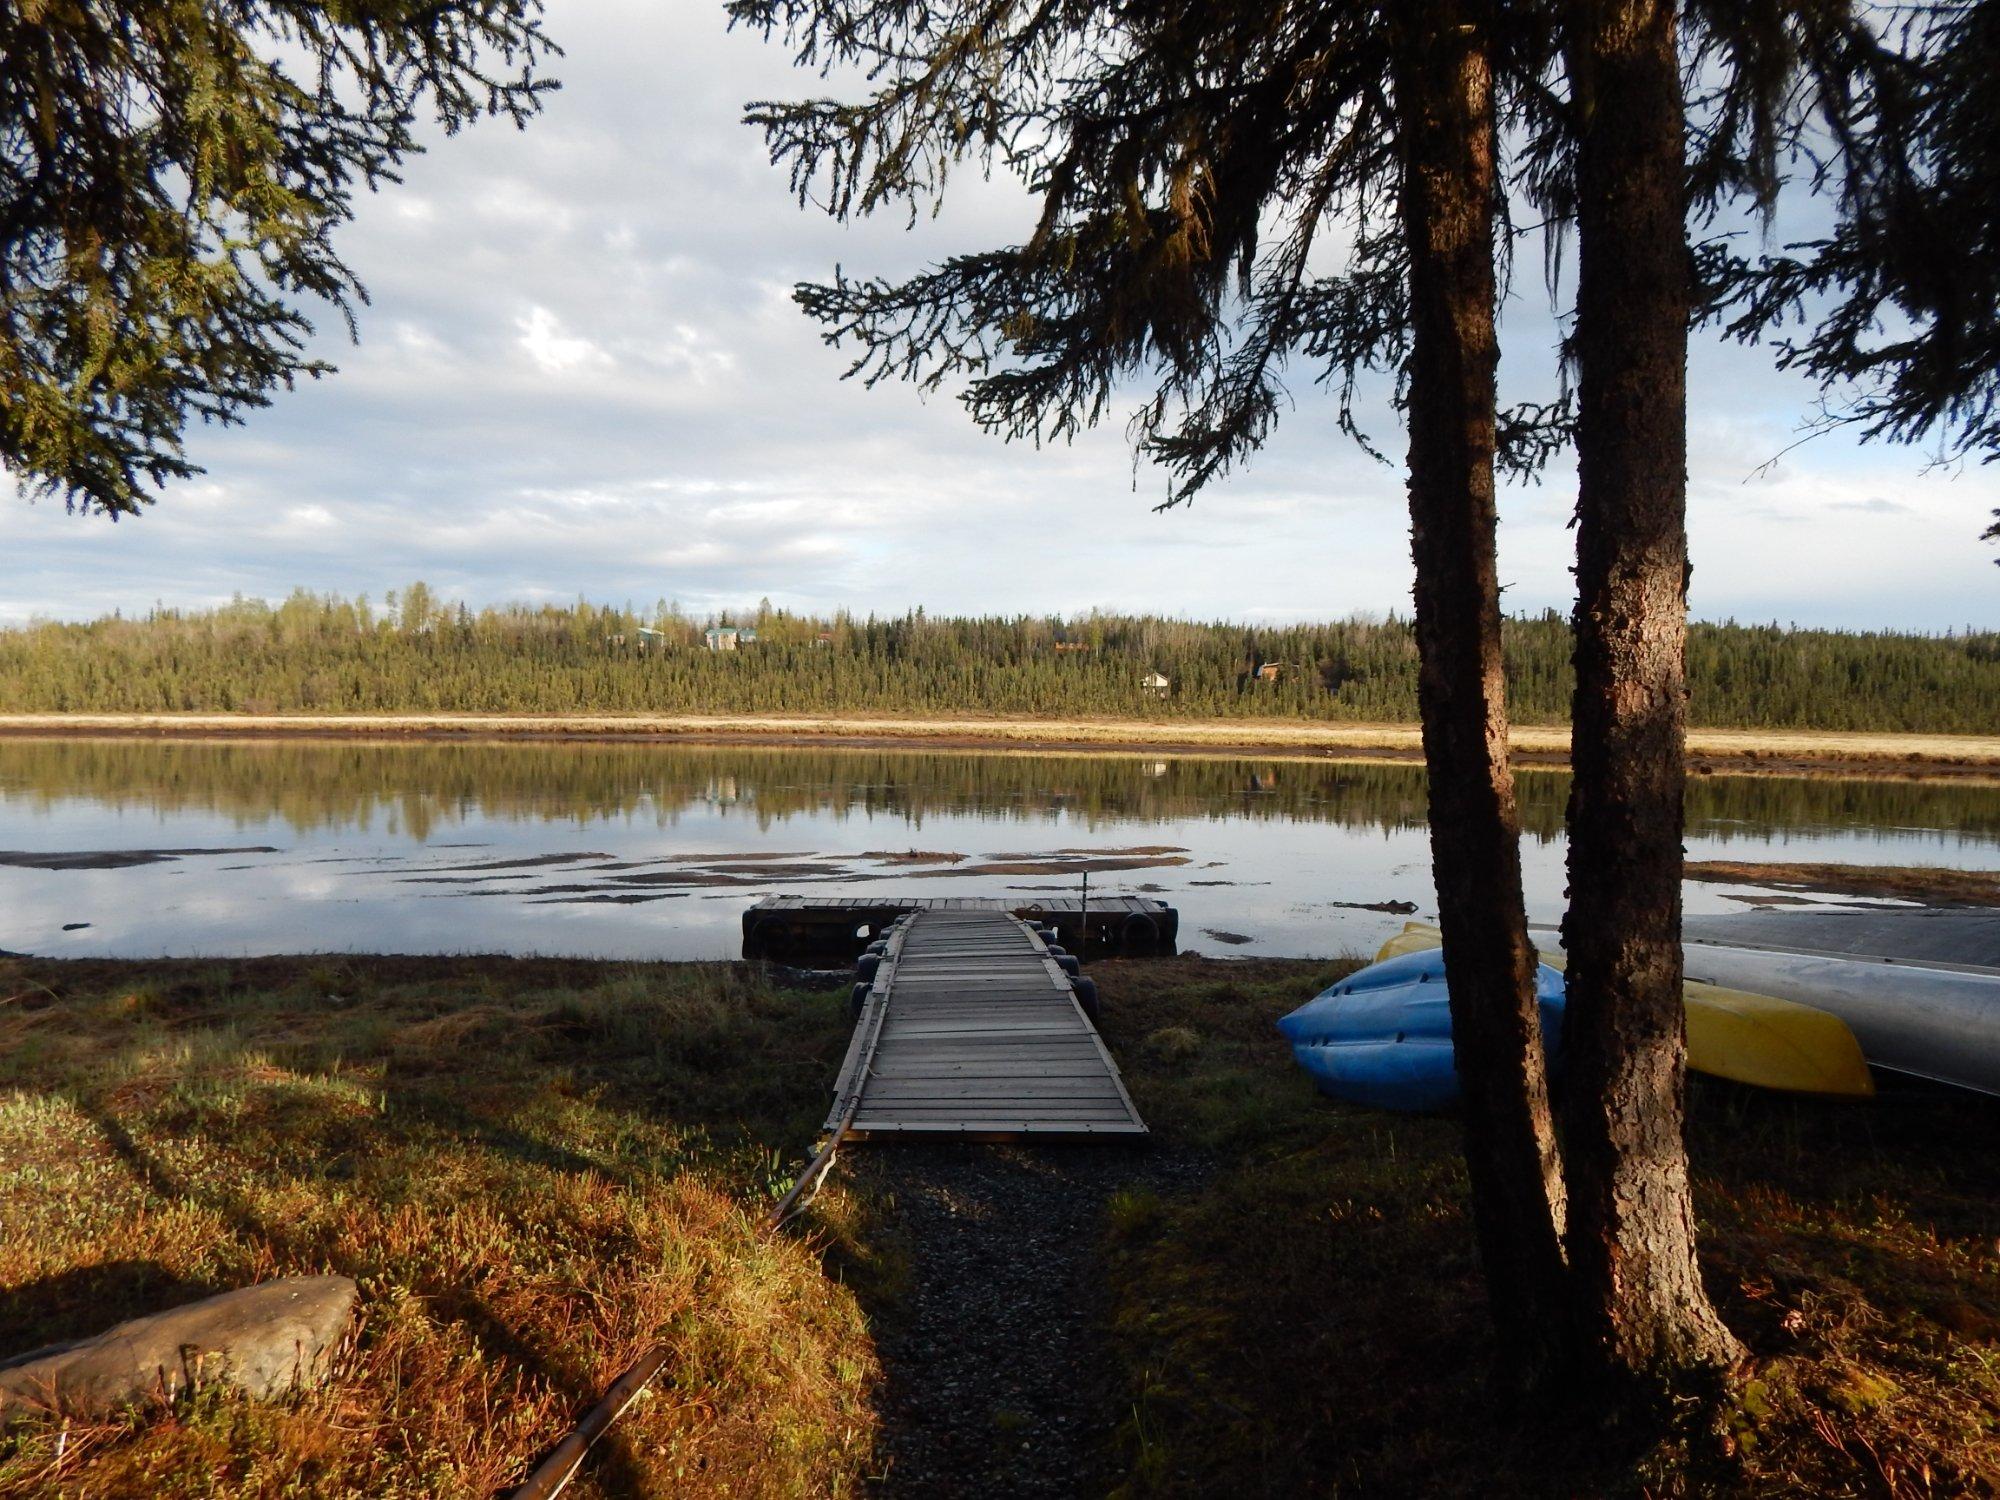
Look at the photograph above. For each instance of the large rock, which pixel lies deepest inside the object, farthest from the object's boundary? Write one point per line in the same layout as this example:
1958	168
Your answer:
265	1339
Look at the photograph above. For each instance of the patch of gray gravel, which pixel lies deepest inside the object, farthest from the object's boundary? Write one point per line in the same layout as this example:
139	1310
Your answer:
996	1375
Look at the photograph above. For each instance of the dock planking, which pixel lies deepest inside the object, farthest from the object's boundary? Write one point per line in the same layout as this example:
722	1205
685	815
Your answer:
971	1029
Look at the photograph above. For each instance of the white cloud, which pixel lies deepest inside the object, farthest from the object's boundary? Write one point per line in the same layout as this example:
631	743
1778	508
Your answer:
582	372
554	351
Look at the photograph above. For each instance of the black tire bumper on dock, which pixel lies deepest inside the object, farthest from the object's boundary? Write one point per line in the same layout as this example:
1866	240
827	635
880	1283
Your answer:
831	930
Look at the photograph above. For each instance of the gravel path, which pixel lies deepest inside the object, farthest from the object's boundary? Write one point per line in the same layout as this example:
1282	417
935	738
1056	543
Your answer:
995	1369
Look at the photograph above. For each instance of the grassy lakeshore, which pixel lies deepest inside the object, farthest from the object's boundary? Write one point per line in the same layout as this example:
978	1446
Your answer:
536	1166
1312	1320
1735	750
533	1168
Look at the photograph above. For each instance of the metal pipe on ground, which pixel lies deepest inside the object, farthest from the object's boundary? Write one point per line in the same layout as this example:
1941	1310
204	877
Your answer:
555	1472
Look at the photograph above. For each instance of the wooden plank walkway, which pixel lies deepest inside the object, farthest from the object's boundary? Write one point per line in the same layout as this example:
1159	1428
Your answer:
971	1029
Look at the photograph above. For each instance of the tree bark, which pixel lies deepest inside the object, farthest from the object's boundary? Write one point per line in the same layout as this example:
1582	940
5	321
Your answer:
1443	83
1642	1312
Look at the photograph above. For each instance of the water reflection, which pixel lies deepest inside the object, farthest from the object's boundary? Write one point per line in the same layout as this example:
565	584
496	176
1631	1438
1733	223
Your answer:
644	849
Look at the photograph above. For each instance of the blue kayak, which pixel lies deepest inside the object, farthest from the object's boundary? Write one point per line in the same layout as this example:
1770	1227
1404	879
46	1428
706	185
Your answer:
1382	1036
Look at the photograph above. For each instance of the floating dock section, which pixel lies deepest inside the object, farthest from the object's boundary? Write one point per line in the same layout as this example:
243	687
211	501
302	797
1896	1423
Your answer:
837	928
970	1028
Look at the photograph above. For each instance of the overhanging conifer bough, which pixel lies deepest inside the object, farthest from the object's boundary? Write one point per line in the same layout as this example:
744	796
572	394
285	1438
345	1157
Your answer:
171	176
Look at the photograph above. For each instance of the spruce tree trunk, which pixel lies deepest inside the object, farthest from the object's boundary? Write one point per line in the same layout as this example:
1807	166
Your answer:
1443	85
1642	1310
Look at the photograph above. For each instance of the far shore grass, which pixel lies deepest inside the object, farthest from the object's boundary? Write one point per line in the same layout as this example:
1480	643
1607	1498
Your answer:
536	1166
1738	751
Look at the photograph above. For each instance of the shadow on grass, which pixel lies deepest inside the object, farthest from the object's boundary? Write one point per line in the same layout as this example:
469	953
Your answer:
71	1304
496	1337
246	1098
1312	1320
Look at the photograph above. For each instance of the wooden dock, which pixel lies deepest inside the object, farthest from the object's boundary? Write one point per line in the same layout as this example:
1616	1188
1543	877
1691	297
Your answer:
838	928
970	1029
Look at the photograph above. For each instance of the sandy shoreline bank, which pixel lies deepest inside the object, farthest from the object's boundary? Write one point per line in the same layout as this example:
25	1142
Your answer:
1736	751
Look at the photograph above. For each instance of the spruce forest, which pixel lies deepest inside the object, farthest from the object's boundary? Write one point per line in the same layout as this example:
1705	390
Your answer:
417	653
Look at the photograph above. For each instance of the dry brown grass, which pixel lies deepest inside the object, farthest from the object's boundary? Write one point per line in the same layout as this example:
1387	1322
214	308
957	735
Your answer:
533	1169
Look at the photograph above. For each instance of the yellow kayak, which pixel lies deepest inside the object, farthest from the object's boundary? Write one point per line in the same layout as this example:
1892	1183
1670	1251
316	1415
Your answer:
1738	1035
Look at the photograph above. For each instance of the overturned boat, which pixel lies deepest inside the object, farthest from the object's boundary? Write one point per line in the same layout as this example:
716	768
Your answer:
1382	1036
1935	1021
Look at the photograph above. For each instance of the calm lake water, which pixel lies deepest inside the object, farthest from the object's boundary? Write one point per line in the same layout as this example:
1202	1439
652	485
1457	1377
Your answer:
649	851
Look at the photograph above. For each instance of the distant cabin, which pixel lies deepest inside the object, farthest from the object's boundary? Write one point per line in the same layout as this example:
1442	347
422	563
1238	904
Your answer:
1153	682
823	640
1072	645
729	637
646	637
1271	671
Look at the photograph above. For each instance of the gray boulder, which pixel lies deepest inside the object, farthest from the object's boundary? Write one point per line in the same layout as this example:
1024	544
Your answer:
265	1339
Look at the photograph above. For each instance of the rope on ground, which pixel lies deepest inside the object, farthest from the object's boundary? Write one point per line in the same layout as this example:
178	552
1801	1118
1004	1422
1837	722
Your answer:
797	1199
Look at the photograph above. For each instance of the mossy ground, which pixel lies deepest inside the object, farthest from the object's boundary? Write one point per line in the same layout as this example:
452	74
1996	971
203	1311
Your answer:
536	1167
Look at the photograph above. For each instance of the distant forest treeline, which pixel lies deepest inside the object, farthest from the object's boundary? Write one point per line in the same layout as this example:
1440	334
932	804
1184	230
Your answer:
417	653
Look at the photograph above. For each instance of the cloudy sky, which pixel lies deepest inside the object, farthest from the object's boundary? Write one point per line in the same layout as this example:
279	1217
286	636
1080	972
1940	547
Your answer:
582	374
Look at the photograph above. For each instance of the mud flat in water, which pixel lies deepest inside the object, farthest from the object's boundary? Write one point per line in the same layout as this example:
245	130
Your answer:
112	859
1929	884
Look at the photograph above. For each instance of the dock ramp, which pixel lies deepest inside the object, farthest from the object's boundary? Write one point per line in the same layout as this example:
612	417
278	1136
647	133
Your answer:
972	1029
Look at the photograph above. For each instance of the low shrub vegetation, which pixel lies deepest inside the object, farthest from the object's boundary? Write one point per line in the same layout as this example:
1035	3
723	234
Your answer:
533	1169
